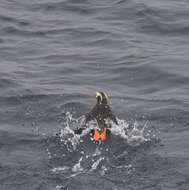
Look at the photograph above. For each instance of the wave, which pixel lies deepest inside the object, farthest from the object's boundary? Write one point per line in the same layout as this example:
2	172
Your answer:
158	20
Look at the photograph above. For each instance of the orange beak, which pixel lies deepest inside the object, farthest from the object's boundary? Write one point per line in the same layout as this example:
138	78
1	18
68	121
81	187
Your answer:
94	95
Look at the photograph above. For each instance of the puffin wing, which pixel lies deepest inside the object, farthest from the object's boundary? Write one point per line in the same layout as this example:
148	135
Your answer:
88	117
111	116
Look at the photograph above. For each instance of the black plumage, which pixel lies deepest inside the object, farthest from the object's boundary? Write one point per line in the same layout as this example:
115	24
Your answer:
100	112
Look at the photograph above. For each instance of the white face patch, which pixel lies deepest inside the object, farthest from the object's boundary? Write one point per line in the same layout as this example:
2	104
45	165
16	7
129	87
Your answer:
105	95
98	94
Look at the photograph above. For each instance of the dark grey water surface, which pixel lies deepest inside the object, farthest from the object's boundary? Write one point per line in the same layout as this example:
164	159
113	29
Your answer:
54	54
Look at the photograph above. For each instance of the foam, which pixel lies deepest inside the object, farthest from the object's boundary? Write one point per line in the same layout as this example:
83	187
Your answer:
77	167
95	164
59	169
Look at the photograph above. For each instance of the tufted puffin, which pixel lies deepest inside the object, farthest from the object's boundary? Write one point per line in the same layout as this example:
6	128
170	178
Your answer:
100	112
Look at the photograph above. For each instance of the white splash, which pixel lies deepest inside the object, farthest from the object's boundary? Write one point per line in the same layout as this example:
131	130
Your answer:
59	187
103	170
138	134
67	135
60	169
134	134
95	164
77	167
120	129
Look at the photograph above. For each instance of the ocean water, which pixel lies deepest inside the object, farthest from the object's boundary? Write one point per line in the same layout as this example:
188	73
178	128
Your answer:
54	54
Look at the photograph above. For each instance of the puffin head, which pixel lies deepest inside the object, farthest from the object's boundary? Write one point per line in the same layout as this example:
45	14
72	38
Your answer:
101	97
